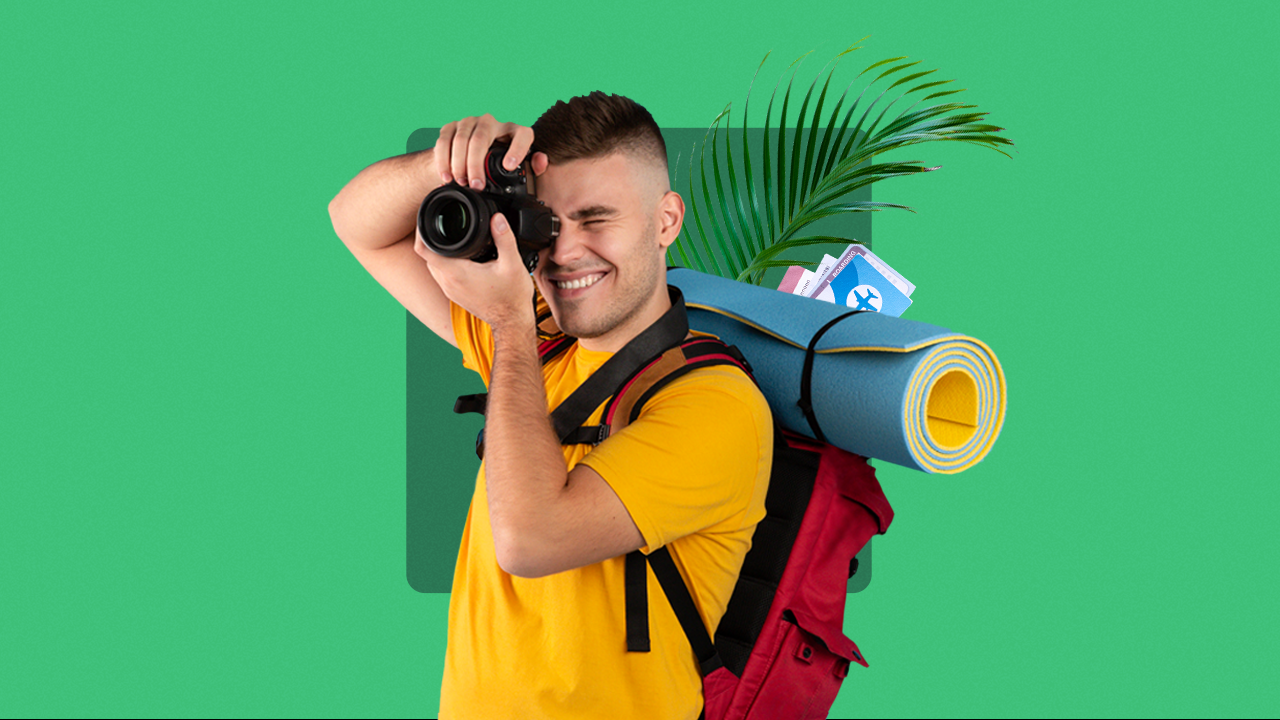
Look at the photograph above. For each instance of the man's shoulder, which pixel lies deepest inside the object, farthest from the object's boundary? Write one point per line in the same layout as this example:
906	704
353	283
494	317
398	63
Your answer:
717	389
728	373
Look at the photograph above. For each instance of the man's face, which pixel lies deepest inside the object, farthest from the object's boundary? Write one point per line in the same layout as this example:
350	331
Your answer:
606	265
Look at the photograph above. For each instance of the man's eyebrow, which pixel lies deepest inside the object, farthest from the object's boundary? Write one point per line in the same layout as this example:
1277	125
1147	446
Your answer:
592	211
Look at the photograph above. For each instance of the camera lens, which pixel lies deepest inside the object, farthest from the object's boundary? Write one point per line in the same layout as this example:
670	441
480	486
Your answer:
452	221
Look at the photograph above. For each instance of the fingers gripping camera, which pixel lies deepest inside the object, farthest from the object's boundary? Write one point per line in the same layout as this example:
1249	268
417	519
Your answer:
454	220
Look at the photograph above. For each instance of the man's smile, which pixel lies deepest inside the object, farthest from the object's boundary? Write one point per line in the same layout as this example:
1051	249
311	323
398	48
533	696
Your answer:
575	284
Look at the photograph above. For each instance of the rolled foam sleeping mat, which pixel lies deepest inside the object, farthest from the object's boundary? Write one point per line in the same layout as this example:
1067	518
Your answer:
912	393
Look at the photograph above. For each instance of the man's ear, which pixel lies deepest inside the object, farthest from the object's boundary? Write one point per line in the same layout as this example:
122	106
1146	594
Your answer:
669	218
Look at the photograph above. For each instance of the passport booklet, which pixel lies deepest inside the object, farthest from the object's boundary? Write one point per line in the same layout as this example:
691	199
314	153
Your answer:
857	279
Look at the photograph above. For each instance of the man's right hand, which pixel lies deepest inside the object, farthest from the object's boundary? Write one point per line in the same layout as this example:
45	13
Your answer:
462	146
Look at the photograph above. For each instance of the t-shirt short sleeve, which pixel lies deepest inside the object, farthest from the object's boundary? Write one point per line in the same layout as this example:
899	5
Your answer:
475	340
696	459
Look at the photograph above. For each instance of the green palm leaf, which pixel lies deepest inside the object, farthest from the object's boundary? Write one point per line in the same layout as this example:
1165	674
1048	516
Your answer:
795	145
813	177
706	198
709	259
746	162
783	198
676	249
739	210
766	264
736	242
758	263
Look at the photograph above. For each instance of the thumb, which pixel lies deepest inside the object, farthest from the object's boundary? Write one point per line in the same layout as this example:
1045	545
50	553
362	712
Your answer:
503	238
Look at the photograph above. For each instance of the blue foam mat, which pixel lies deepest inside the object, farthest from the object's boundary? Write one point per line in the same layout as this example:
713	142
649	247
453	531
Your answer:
873	376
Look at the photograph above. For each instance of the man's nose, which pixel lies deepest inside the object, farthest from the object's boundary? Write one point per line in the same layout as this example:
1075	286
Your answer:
568	247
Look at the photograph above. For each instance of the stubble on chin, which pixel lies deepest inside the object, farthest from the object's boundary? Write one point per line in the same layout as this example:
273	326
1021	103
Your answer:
604	316
573	323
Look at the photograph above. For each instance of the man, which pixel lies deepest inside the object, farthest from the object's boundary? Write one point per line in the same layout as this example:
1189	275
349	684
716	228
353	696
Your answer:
536	618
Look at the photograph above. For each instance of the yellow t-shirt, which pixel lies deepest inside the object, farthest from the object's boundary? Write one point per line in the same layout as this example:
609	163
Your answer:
692	471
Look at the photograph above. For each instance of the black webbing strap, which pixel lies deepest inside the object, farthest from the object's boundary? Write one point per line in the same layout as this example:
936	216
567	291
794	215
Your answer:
586	435
669	330
554	349
567	418
805	402
479	402
699	352
664	568
637	603
471	403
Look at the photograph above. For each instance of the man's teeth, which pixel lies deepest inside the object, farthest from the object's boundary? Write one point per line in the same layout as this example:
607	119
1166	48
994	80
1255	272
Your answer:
580	282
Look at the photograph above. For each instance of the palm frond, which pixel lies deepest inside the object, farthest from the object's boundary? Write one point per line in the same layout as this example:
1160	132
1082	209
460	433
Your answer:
810	177
736	241
746	162
783	197
706	198
709	259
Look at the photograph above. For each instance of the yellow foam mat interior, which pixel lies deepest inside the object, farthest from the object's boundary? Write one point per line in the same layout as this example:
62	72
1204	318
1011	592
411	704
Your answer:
952	409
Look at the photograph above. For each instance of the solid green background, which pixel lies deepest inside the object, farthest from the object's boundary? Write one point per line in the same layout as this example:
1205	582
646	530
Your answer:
202	395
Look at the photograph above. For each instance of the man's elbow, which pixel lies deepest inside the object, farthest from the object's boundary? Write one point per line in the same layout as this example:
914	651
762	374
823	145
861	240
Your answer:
337	216
520	557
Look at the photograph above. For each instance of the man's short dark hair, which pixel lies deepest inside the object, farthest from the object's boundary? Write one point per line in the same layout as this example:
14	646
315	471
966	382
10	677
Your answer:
596	125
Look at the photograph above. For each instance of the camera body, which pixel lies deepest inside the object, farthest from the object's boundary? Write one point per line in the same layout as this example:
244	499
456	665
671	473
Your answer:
454	220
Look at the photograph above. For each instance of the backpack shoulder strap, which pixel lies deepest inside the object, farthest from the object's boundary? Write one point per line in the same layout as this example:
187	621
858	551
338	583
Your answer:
673	586
623	409
694	353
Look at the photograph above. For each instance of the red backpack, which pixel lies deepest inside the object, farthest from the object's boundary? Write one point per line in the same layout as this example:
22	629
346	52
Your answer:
779	651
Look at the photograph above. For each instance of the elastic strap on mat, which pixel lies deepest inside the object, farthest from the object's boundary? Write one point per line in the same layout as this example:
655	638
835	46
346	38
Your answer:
805	402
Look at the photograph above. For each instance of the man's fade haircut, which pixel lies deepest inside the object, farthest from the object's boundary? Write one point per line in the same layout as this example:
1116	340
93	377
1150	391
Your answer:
593	126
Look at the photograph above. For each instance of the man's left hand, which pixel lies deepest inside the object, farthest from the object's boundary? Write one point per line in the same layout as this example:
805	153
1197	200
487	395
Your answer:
499	292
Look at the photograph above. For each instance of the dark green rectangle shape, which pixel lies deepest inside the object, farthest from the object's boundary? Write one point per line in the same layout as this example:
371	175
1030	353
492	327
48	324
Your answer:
440	461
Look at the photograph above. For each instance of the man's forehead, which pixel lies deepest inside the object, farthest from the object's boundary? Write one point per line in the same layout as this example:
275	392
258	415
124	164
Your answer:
590	187
596	187
584	206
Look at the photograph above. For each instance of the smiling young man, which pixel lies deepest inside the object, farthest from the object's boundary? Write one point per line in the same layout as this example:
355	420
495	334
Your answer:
537	623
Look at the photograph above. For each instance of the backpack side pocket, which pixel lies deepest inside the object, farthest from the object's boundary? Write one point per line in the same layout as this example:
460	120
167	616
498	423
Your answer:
805	673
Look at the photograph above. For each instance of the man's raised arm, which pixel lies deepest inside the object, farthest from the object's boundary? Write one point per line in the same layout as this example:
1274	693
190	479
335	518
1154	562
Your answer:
375	216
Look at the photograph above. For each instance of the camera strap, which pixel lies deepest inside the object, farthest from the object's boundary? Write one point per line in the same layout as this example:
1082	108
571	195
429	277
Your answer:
669	330
568	417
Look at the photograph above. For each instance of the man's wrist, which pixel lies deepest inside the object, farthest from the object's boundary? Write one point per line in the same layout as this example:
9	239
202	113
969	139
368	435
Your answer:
519	326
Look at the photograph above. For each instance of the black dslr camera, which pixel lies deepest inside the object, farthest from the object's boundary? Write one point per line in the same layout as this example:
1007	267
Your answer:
454	220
